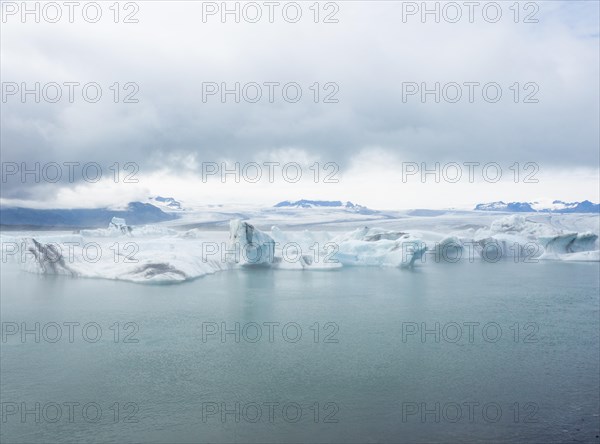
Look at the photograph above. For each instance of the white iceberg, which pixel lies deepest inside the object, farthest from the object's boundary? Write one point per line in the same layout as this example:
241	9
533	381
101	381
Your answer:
251	246
378	247
158	254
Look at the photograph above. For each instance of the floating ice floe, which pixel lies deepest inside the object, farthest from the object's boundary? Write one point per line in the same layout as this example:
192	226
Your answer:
153	261
517	236
254	247
378	247
157	254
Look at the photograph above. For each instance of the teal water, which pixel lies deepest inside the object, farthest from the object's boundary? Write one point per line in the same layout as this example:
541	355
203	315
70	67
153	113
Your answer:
358	380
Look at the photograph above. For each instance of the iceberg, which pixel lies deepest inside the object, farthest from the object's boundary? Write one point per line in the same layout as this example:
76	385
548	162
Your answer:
251	246
255	247
378	247
48	258
159	254
569	242
119	224
151	261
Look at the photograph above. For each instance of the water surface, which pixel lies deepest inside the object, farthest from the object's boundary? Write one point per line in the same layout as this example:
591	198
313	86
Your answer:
358	380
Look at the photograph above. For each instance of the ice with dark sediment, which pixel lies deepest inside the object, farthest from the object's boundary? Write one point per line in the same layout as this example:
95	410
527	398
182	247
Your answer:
161	254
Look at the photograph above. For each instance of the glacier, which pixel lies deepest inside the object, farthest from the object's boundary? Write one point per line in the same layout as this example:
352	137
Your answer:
167	253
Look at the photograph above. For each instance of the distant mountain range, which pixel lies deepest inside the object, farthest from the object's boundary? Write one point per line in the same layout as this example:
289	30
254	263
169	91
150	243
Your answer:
139	213
337	204
557	206
136	213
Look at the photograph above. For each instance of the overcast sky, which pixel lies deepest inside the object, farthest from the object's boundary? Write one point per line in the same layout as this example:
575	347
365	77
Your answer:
368	59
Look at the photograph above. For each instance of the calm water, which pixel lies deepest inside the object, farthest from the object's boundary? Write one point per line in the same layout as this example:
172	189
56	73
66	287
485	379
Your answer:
528	371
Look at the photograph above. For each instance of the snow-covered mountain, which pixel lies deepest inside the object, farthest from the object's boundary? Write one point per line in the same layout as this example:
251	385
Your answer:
167	203
334	204
514	207
557	206
572	207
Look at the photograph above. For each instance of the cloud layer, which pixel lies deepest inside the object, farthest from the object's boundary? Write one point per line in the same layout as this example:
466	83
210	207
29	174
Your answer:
366	62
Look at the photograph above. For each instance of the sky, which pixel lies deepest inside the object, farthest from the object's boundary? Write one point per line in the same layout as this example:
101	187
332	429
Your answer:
514	116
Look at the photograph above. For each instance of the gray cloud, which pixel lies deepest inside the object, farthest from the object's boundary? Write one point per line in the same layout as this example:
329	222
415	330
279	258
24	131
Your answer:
368	54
